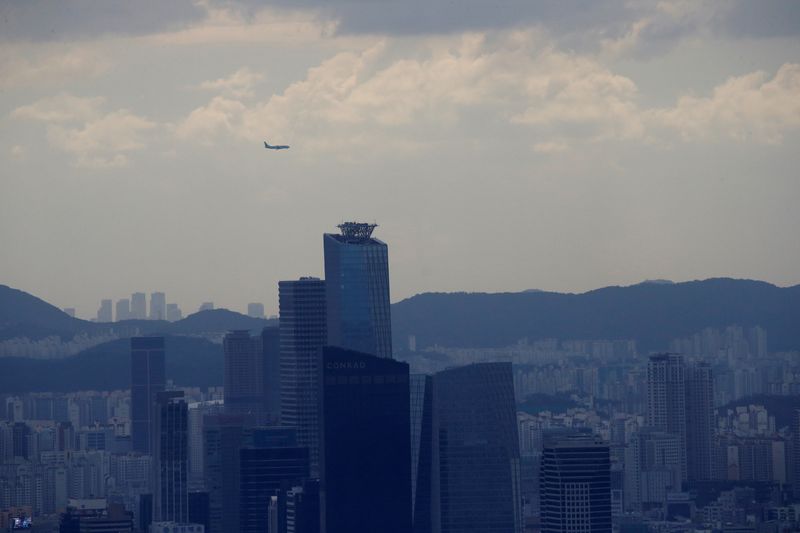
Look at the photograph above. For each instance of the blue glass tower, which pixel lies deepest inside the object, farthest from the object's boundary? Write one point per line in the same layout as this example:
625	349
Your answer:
357	290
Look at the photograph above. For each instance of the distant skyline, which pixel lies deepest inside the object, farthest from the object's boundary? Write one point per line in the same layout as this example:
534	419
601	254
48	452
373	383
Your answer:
554	145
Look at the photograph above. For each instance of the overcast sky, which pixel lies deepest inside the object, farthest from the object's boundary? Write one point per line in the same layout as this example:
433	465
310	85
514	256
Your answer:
558	145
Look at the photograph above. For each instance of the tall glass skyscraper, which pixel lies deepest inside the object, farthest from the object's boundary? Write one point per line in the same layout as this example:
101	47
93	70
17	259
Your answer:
357	278
147	379
171	458
302	334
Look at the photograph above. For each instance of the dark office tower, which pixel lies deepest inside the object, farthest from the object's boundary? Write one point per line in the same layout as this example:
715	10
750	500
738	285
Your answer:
223	437
147	379
123	309
421	420
138	306
699	422
357	281
145	511
198	508
263	472
302	508
575	485
666	398
365	456
795	459
244	376
271	357
104	314
171	458
475	451
20	432
158	306
302	334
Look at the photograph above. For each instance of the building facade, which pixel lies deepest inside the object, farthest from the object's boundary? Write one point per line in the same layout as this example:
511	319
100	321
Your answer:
148	377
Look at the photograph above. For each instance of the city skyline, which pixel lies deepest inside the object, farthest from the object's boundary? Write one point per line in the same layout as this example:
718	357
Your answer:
581	147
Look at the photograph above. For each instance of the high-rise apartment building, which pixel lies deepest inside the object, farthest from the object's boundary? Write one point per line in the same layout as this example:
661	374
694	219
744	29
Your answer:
575	485
302	334
255	310
475	460
138	306
158	306
365	483
666	398
244	375
171	458
357	287
123	309
206	306
174	313
105	312
652	468
700	422
147	379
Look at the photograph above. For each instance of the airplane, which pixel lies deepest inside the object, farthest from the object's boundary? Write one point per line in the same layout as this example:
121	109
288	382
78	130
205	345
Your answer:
276	147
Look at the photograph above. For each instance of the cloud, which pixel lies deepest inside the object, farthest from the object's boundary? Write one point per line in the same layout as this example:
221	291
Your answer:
17	152
240	84
80	127
34	66
744	108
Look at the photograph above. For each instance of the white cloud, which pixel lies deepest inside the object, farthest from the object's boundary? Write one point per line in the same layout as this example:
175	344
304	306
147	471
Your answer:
240	84
744	108
78	126
46	64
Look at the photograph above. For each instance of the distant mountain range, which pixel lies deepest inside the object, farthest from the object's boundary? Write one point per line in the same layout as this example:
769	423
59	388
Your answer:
24	315
652	313
189	361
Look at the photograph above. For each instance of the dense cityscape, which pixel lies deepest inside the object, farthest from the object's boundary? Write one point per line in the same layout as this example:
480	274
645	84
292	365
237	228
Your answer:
322	425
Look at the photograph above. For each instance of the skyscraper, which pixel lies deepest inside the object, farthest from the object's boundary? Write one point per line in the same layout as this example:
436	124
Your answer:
365	483
158	306
123	309
302	334
104	313
699	422
666	398
171	458
138	306
147	379
652	468
475	463
174	313
206	306
575	485
244	375
357	281
223	437
271	354
421	389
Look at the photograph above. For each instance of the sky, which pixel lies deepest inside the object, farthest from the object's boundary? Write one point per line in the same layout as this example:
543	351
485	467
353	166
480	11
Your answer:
501	146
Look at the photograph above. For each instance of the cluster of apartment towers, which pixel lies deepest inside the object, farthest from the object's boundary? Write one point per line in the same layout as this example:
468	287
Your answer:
323	431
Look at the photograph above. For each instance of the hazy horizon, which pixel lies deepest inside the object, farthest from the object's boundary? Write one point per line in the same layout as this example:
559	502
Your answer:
550	145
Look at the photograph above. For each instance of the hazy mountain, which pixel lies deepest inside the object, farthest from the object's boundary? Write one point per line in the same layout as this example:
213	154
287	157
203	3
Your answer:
190	361
651	313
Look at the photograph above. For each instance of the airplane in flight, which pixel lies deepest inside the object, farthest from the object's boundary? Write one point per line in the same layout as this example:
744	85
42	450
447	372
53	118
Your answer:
276	147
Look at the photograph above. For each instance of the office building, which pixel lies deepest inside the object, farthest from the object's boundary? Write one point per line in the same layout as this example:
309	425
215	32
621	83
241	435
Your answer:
244	376
174	313
171	458
475	460
575	485
138	306
255	310
302	508
302	334
198	508
421	416
271	363
666	398
365	459
263	471
357	290
158	306
224	437
700	422
652	469
123	309
104	313
95	515
148	377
